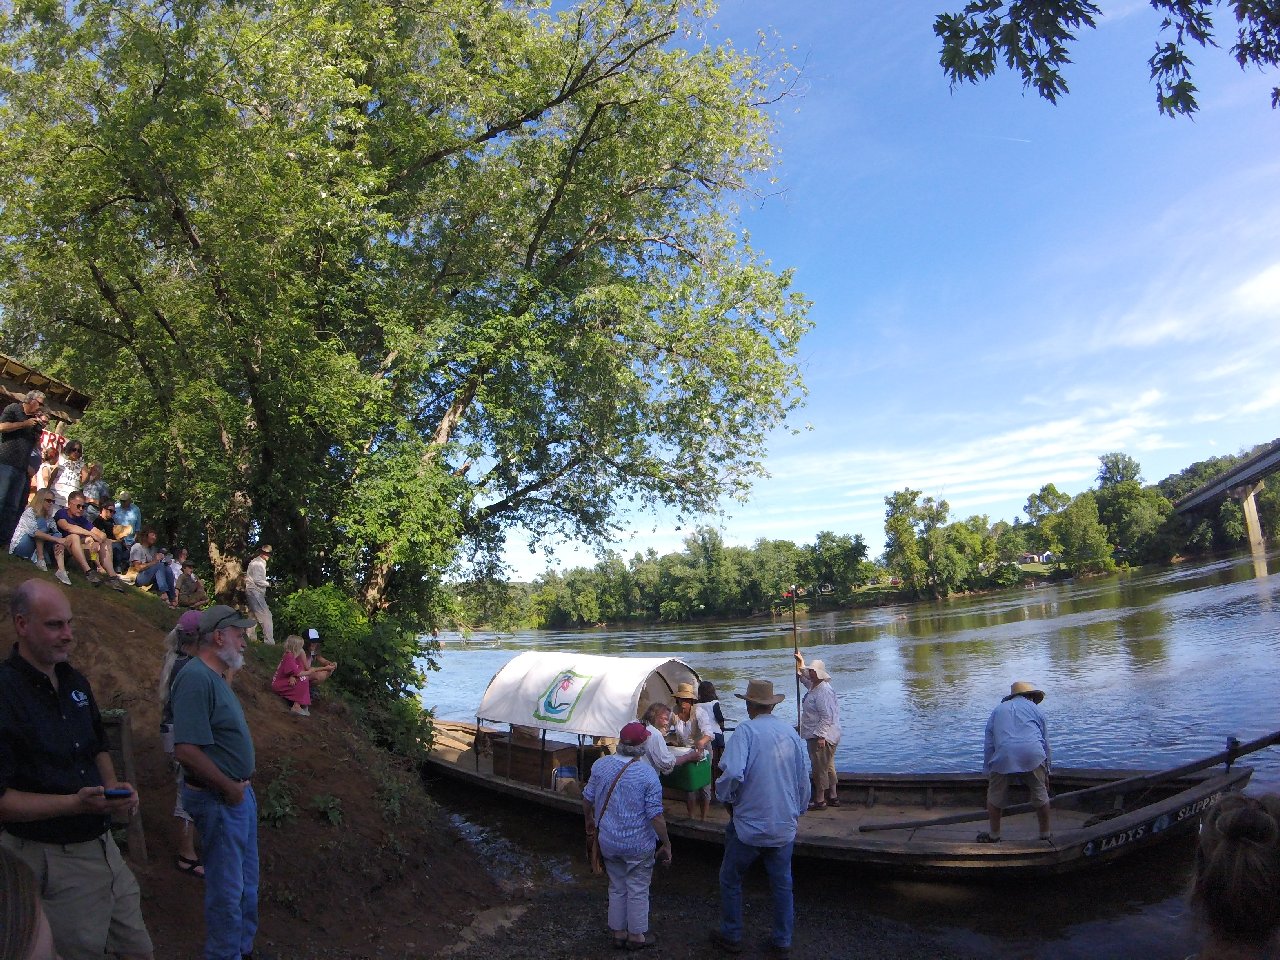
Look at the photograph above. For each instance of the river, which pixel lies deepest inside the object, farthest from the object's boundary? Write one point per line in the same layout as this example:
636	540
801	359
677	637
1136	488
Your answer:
1140	669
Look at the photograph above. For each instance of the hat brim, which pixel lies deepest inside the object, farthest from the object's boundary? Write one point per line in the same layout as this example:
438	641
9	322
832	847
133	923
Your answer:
1035	696
773	701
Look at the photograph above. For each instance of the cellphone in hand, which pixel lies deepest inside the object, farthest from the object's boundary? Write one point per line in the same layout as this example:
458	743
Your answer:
117	793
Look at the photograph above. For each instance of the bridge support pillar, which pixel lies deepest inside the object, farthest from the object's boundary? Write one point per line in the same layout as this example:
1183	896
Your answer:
1250	505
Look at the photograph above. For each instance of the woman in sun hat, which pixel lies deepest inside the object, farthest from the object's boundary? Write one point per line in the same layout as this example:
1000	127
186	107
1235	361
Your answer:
689	733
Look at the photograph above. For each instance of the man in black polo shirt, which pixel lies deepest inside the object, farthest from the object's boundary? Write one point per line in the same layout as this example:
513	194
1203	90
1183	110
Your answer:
55	769
20	426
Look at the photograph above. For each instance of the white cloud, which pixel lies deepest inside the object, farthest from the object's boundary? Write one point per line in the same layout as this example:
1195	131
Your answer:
1261	293
1269	398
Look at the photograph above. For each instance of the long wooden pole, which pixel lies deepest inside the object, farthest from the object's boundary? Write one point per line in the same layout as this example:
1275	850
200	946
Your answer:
795	648
1227	756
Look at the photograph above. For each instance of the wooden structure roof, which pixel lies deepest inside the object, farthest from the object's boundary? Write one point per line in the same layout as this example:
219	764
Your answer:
62	401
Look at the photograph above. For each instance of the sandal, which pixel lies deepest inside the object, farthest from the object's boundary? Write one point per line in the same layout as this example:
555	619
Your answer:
819	805
833	802
187	865
648	941
985	837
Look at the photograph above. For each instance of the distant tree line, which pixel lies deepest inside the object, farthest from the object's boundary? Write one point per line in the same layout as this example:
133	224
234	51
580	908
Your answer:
928	554
1120	521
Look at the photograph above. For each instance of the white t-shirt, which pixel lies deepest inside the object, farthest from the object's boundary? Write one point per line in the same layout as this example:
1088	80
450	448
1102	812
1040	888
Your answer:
68	481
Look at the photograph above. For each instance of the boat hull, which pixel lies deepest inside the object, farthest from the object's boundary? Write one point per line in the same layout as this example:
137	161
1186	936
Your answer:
1092	824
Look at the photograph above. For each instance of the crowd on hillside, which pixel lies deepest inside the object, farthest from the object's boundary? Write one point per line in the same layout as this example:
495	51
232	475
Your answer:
57	507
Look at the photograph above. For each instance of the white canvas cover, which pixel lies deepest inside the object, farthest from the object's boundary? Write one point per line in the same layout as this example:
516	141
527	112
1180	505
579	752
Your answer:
580	693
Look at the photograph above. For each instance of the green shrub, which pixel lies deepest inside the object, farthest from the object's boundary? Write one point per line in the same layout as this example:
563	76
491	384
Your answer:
329	807
278	805
380	664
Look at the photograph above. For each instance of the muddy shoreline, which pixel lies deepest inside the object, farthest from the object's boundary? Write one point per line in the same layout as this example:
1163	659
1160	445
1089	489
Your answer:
558	909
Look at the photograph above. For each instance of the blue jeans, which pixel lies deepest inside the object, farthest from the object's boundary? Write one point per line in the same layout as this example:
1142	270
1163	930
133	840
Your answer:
13	489
161	576
27	546
738	858
229	848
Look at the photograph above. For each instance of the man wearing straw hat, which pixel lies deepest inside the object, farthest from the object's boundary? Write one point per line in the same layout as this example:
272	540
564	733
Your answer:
820	730
765	788
1017	745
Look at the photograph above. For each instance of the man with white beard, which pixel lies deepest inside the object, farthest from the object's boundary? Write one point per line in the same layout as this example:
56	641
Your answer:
212	742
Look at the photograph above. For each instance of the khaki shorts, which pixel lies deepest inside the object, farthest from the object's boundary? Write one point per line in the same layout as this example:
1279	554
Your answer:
1037	782
90	897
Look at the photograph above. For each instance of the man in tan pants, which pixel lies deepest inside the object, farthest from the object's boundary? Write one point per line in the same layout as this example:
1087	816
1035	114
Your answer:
820	730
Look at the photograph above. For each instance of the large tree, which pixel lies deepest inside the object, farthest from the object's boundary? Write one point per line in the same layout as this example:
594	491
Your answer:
1034	39
1117	467
375	279
1082	537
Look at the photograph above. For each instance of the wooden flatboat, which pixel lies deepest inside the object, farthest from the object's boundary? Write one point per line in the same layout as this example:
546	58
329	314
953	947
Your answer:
918	825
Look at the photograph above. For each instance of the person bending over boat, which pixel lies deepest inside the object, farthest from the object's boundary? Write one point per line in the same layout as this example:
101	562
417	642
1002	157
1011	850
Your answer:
820	730
1017	745
1236	890
685	724
657	718
622	804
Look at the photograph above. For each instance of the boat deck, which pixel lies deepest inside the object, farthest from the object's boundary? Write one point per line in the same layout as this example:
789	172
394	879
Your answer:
454	747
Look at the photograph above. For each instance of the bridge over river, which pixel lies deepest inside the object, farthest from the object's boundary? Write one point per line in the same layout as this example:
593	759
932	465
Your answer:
1243	481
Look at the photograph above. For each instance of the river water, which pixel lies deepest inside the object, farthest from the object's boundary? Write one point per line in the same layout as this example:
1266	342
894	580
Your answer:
1141	669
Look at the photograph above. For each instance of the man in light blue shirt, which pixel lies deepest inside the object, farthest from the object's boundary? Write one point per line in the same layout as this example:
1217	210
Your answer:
764	785
1017	745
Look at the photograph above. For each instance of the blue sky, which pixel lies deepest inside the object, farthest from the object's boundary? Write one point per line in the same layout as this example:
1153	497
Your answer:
1003	289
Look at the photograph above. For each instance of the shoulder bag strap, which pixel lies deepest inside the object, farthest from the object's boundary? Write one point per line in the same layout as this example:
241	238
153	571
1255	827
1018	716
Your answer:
609	792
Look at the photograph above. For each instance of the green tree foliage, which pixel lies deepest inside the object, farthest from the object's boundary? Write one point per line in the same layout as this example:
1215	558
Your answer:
1011	540
381	663
835	561
1082	537
1136	519
1042	505
1114	468
375	280
704	579
1034	40
904	550
930	556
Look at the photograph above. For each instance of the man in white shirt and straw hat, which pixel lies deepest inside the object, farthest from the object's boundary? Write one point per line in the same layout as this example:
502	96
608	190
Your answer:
820	730
1017	745
764	785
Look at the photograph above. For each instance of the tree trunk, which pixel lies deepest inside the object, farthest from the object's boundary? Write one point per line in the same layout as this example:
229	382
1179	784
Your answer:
228	572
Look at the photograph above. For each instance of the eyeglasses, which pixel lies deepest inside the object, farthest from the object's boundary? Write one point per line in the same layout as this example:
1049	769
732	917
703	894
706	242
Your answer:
224	619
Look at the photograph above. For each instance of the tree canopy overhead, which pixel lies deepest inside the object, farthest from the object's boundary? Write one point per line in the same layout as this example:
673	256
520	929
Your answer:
375	279
1033	38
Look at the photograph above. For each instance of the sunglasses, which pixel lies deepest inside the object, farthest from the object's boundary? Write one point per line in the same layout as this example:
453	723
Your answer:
75	506
225	619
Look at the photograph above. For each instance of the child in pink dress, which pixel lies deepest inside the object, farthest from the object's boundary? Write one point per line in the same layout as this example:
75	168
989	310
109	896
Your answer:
291	680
